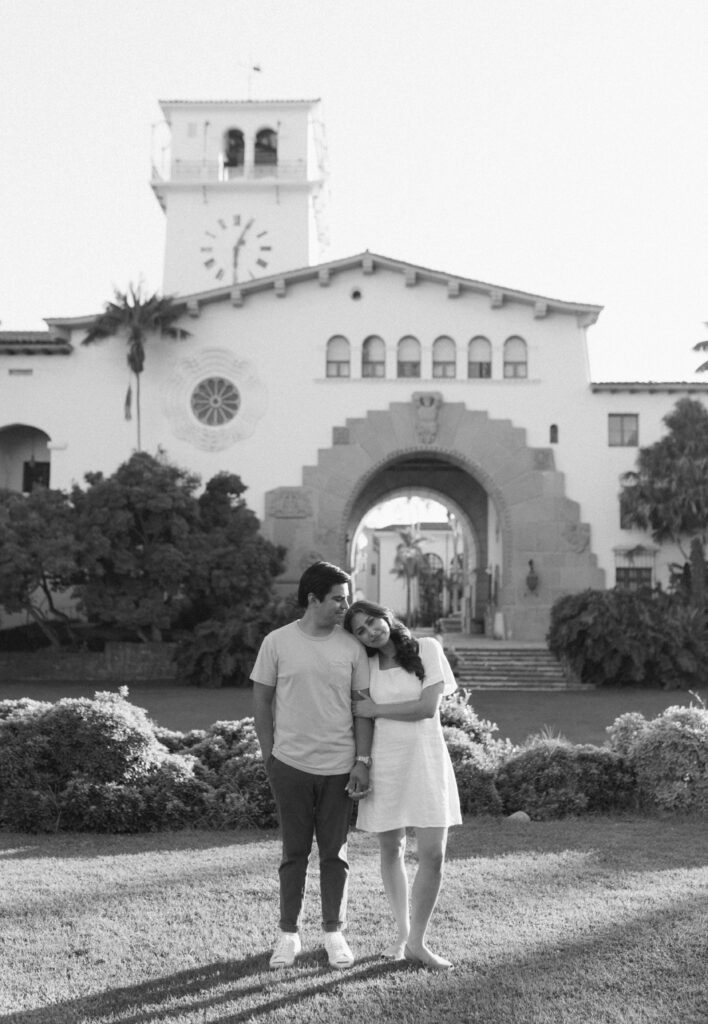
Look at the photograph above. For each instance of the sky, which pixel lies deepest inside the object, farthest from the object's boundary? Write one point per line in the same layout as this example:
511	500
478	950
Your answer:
558	147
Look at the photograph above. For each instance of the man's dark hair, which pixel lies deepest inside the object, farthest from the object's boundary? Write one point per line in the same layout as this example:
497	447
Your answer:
318	579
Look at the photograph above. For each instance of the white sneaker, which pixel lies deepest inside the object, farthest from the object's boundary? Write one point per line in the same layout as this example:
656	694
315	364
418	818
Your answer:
286	949
339	953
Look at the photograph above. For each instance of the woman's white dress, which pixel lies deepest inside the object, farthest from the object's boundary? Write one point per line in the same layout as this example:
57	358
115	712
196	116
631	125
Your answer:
412	779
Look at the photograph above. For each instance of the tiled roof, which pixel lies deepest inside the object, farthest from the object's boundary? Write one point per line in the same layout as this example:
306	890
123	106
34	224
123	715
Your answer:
31	343
649	386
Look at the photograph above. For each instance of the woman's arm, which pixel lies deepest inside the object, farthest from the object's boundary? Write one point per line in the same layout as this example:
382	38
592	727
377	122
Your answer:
426	706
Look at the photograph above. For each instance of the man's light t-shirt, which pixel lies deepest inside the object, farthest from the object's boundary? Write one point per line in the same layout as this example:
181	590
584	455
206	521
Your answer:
313	678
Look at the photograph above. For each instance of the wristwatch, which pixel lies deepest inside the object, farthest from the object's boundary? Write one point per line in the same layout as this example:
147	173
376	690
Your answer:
364	760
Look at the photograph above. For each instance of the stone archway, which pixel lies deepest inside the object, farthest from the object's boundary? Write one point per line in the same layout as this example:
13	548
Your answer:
473	458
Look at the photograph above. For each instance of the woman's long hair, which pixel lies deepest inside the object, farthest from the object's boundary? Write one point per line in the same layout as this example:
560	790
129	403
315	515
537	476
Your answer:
407	647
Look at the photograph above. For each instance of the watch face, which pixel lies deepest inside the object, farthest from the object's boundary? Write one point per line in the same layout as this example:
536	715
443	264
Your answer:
236	248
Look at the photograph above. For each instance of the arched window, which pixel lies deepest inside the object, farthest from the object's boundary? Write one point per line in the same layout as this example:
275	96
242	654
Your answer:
409	357
266	149
515	358
338	356
553	434
234	151
444	357
373	357
479	358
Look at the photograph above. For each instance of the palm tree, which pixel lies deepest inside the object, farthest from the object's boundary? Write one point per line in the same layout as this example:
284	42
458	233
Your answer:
701	346
136	315
409	562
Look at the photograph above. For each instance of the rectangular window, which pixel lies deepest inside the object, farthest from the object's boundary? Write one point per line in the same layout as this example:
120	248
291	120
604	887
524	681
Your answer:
336	368
373	369
623	430
409	369
20	373
517	370
444	370
634	567
34	474
478	371
632	577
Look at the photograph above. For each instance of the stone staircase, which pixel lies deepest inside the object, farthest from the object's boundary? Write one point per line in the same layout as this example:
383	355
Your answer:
502	665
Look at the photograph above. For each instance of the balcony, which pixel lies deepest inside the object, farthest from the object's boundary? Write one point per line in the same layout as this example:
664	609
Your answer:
214	170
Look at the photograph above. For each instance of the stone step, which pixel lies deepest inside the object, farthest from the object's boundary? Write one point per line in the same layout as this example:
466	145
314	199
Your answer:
520	668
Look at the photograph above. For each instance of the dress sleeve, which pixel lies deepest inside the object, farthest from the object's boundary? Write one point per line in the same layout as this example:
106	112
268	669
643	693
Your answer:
437	667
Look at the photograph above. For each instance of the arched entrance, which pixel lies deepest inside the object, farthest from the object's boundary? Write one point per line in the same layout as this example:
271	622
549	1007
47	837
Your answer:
24	458
440	475
510	494
443	559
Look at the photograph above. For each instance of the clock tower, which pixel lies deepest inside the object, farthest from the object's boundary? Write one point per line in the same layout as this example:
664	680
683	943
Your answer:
242	186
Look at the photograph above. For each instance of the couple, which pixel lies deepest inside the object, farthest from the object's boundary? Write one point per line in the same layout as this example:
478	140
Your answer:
308	678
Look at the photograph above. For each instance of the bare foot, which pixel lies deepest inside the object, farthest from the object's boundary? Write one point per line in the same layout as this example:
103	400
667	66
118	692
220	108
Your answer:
425	958
396	951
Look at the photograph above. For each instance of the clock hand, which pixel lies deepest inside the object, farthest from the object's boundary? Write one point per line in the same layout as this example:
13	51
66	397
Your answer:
239	242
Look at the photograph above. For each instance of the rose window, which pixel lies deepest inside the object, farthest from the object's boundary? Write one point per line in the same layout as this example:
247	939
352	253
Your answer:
215	401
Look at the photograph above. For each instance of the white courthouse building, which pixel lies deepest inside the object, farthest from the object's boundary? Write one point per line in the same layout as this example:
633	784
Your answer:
329	387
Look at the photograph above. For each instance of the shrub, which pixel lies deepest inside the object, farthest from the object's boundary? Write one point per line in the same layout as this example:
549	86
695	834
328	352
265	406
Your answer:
102	766
623	732
623	638
669	755
228	760
457	713
553	779
46	749
475	754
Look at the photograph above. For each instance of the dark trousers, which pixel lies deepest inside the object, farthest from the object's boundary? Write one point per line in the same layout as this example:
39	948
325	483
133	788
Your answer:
312	806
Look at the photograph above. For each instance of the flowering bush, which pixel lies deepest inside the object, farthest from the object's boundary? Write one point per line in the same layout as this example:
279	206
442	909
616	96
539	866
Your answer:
669	755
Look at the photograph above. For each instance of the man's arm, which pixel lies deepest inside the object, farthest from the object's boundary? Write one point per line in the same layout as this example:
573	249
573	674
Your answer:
358	785
263	717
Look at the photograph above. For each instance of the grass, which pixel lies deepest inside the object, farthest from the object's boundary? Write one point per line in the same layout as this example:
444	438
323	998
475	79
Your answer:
597	921
580	715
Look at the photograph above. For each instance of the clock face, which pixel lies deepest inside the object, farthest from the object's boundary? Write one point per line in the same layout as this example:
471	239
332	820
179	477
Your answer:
236	249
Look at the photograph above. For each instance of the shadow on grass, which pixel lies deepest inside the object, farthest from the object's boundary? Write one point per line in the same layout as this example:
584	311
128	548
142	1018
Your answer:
608	973
78	845
647	842
208	988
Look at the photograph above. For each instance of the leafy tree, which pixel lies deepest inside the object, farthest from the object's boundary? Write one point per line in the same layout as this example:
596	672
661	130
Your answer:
37	555
232	565
136	529
135	316
626	638
229	601
157	558
668	492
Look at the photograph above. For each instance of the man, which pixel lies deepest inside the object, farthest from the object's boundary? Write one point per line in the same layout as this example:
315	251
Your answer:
317	756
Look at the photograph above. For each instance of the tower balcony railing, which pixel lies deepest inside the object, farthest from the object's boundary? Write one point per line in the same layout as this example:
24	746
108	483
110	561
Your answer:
216	170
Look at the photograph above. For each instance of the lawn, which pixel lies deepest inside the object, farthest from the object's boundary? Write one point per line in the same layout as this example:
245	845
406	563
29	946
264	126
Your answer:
583	921
580	715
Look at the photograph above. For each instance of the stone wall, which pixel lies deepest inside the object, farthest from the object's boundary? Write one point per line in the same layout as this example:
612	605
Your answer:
119	664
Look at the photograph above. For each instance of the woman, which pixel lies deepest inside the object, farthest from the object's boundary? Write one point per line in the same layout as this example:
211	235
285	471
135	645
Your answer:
411	778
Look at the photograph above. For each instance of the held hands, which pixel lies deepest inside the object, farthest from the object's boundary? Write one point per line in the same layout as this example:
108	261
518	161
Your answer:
358	784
